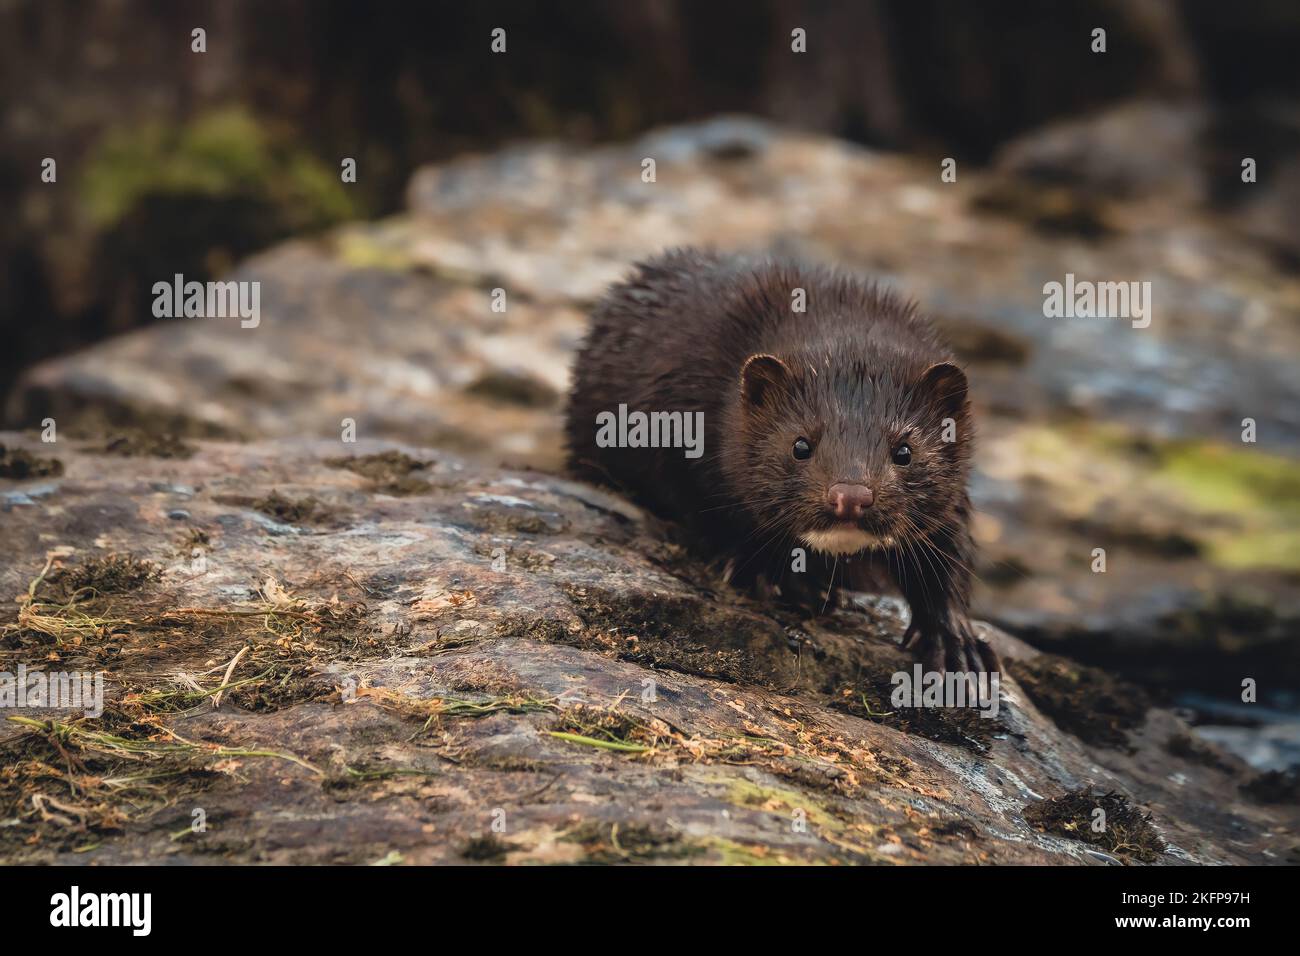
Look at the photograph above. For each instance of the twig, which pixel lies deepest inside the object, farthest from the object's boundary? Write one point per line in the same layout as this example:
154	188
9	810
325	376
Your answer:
593	742
216	698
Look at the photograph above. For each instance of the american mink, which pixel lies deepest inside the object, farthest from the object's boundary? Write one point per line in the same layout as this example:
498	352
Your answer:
842	428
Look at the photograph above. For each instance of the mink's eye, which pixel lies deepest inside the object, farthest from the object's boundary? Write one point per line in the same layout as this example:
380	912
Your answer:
903	455
802	450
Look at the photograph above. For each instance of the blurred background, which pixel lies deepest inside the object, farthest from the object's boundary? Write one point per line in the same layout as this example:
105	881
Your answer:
521	171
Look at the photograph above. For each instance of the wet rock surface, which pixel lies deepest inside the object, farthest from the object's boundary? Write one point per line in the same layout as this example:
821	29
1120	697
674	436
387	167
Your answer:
451	327
512	648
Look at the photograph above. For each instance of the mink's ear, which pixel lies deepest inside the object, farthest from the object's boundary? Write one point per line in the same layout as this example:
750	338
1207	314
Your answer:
944	386
762	379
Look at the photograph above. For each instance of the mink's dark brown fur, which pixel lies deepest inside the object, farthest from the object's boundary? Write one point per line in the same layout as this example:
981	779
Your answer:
858	377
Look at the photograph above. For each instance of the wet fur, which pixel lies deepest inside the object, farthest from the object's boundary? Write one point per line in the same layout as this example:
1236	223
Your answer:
859	371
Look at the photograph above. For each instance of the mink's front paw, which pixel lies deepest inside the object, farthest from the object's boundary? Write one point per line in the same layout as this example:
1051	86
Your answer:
952	648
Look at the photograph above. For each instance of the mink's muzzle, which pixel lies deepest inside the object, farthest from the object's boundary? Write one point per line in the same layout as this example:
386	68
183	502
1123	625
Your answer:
844	539
847	502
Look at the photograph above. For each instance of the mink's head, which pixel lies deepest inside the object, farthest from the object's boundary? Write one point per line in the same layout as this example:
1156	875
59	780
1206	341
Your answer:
844	458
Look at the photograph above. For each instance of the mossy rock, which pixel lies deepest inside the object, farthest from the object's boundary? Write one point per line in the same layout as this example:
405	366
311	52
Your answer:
221	153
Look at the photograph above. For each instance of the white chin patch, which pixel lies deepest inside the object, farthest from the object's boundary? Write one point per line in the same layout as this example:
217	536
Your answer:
841	541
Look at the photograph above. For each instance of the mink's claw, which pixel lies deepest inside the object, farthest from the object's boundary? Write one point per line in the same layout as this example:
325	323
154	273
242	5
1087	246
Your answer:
951	650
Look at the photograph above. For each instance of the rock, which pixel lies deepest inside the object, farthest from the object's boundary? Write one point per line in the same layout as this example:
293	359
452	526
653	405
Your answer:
552	225
145	141
1092	433
507	666
441	368
1124	153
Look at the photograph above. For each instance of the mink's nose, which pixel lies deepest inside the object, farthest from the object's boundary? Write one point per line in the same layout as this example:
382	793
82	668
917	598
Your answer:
849	501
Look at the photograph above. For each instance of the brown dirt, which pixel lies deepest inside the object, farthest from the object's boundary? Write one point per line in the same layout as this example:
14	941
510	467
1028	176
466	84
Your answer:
295	511
1082	700
869	698
110	574
390	472
21	465
137	443
1275	786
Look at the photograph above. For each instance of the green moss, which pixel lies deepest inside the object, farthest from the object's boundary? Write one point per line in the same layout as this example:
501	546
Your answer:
1218	477
366	247
1249	498
731	853
629	842
781	800
1261	489
220	153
